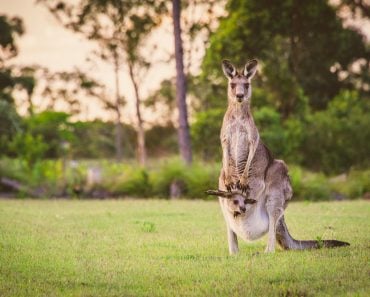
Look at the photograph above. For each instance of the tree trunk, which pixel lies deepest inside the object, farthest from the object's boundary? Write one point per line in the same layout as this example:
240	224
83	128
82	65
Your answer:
183	130
30	104
141	151
118	139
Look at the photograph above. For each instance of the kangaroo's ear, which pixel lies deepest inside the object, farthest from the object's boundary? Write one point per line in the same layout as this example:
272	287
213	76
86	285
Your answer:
250	68
228	68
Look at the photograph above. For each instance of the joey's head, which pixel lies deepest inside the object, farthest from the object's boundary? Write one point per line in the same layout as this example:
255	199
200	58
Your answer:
236	202
239	86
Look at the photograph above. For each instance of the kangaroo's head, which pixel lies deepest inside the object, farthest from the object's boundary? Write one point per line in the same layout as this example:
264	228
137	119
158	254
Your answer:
239	86
237	202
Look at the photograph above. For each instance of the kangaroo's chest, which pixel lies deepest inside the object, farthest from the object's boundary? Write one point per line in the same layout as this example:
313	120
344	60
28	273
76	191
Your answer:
238	143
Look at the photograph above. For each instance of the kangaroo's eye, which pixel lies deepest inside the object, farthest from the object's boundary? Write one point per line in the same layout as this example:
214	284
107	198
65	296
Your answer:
246	85
233	86
236	202
245	201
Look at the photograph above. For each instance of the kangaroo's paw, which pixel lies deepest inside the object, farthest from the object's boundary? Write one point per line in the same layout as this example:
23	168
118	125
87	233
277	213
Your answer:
242	185
229	184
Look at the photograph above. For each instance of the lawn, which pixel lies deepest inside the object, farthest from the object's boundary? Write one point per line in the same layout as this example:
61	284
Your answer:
174	248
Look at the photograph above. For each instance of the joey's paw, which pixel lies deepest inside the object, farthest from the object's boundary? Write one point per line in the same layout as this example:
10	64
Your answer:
242	185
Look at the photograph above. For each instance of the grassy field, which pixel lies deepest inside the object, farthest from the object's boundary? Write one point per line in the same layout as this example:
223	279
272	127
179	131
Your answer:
174	248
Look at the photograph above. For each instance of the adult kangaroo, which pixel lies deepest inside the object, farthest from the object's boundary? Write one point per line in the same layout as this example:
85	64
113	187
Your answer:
254	188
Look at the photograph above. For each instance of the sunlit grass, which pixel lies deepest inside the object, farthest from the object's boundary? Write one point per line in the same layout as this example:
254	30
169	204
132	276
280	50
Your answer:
174	248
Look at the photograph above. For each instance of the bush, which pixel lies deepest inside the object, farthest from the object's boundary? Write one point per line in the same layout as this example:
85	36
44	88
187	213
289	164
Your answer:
194	179
168	172
338	138
272	133
50	178
132	182
201	177
309	186
354	185
205	133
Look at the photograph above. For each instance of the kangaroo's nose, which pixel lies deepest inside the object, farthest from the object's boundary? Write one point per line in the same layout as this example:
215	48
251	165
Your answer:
239	96
242	209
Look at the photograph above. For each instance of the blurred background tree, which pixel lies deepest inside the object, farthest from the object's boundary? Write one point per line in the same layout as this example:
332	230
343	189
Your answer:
119	28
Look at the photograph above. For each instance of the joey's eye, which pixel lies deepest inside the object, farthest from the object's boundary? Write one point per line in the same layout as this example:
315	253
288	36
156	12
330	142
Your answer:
233	86
246	85
236	202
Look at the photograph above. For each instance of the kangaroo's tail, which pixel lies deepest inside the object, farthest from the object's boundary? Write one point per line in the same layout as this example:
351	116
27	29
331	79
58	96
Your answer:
287	242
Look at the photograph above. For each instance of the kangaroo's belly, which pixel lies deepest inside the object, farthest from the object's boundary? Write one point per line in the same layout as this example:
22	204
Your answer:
252	225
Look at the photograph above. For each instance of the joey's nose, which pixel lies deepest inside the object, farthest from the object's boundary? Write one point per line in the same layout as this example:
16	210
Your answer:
242	209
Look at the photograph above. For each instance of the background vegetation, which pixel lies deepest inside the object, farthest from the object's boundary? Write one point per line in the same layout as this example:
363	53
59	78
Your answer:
311	99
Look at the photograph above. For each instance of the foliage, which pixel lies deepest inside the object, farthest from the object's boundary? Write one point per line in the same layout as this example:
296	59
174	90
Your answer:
356	184
10	123
294	49
205	133
271	130
170	171
161	248
95	139
55	129
132	181
69	178
29	147
10	29
161	140
193	180
338	138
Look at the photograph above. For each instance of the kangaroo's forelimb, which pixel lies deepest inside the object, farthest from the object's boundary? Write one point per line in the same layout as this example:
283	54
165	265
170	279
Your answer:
253	137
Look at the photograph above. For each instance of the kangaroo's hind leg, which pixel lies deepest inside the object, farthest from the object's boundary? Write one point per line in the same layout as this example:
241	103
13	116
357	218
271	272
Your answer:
278	192
275	211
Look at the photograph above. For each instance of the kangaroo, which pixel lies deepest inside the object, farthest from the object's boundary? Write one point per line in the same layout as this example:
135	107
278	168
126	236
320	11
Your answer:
254	188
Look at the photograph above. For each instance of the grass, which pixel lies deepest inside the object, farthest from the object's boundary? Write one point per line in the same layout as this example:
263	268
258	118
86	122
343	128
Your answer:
174	248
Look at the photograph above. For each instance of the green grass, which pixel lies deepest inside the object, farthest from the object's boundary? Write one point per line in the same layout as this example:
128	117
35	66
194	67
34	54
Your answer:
174	248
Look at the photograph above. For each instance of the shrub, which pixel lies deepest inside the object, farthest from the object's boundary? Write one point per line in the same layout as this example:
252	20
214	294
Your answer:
132	182
309	186
338	138
354	185
201	177
168	172
205	133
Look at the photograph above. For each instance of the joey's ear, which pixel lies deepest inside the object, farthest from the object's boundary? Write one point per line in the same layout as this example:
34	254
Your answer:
250	68
228	68
219	193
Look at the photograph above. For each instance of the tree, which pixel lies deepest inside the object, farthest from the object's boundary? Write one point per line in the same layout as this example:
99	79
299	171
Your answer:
338	138
183	130
25	80
305	50
70	88
10	29
119	29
